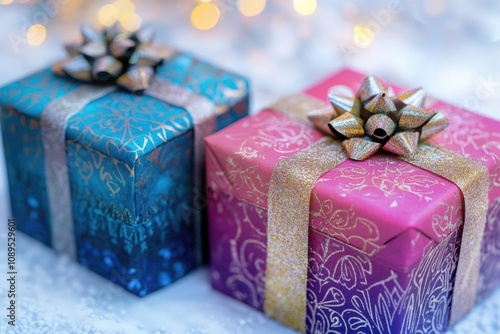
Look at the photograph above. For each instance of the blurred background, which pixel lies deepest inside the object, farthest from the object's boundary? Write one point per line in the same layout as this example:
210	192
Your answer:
452	48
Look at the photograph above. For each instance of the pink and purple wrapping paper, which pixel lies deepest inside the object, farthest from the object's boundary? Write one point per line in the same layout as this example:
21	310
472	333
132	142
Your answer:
384	234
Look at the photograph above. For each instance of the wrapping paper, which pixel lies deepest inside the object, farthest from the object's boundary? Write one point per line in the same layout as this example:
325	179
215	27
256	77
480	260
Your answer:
383	233
130	163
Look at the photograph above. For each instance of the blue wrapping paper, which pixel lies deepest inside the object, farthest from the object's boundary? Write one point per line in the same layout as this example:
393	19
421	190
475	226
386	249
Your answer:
130	163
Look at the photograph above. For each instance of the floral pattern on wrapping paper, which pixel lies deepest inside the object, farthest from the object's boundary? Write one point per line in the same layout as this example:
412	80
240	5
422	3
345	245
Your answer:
106	186
171	166
469	133
447	217
347	290
427	300
380	300
122	125
237	248
272	134
345	222
247	178
332	305
385	177
100	182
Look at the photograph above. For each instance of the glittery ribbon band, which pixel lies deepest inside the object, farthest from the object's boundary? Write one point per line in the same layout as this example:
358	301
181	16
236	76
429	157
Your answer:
290	187
291	184
473	180
54	122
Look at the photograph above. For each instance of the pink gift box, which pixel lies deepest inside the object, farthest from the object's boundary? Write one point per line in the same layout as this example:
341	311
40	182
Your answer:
384	235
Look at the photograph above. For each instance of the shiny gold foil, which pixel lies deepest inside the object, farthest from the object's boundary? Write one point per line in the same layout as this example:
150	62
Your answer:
321	117
137	78
414	117
360	148
76	67
348	125
375	115
381	103
343	104
380	126
369	88
402	143
435	125
414	97
110	55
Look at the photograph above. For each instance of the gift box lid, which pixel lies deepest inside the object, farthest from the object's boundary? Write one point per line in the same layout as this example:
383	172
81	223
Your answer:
129	128
123	124
383	205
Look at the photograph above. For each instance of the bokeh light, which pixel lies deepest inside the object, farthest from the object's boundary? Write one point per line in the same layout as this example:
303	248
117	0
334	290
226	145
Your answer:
435	7
363	36
5	2
351	10
305	7
124	6
205	16
251	7
36	34
131	21
108	15
122	11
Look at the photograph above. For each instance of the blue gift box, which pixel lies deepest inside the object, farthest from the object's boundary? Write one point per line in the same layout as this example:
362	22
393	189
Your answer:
130	166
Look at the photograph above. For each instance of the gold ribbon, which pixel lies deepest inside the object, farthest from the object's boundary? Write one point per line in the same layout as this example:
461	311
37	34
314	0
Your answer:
473	180
290	188
287	236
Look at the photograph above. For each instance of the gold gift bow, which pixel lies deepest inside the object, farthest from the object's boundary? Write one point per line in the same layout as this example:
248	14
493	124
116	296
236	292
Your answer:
376	119
288	217
113	56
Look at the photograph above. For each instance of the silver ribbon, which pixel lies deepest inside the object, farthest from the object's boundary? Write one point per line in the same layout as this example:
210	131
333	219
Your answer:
54	122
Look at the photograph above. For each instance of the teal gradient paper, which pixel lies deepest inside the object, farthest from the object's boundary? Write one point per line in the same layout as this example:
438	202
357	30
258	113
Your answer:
130	162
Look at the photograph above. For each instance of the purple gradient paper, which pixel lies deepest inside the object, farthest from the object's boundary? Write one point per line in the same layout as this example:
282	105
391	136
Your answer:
348	290
384	234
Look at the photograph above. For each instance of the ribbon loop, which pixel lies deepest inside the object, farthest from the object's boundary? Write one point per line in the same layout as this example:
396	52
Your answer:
375	119
113	56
